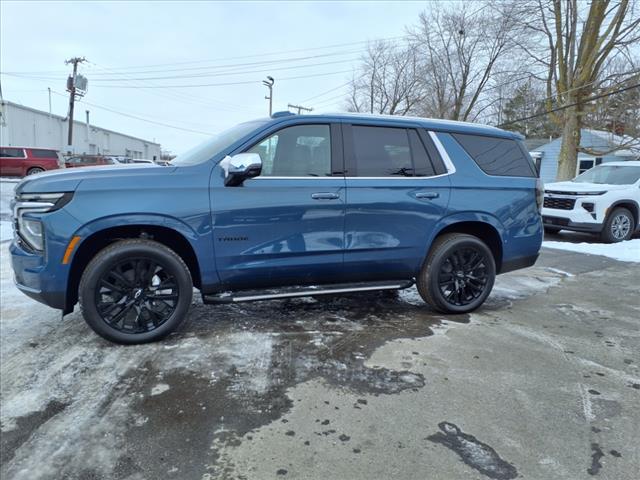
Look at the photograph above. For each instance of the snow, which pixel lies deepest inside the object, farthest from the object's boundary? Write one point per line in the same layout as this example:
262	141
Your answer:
628	251
6	230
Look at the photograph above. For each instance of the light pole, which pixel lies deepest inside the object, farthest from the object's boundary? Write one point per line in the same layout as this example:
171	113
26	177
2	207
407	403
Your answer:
269	84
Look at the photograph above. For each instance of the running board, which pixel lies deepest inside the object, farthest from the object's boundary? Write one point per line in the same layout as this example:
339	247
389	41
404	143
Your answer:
231	298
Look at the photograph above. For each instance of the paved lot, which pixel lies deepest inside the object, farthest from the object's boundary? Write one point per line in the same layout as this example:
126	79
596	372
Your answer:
542	383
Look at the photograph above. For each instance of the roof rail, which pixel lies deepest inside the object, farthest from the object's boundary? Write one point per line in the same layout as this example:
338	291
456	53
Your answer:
284	113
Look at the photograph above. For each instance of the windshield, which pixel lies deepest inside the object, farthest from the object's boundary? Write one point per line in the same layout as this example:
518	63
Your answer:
205	151
610	175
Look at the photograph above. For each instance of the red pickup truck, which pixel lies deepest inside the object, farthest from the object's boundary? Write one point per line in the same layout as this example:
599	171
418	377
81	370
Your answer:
21	161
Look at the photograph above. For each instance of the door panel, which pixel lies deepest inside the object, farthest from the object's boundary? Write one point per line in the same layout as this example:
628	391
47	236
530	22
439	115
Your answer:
12	161
389	217
276	229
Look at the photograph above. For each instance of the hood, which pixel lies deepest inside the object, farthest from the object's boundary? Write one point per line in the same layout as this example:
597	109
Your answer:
67	180
578	187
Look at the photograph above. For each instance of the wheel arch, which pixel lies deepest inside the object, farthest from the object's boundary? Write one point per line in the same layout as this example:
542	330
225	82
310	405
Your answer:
98	239
630	205
484	227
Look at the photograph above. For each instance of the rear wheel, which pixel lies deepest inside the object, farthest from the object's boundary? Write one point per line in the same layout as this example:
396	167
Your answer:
34	170
619	226
458	274
135	291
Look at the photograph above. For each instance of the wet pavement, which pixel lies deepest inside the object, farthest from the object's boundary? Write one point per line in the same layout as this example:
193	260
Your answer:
542	382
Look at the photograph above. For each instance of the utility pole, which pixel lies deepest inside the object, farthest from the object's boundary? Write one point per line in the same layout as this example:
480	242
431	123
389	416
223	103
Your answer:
71	88
269	84
300	108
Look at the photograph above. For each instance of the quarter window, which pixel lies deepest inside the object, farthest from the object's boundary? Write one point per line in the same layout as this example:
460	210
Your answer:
300	151
497	156
44	153
389	152
12	153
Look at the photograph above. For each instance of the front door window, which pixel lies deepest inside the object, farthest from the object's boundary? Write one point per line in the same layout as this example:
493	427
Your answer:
300	151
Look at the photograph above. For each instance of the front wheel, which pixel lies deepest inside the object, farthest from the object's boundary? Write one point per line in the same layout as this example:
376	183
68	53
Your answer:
619	226
458	274
135	291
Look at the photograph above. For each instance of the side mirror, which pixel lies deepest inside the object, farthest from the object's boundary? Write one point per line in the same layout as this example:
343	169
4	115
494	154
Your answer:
240	167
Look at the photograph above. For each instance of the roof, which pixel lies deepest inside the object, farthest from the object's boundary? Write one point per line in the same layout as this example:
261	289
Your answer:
612	138
428	123
634	163
533	143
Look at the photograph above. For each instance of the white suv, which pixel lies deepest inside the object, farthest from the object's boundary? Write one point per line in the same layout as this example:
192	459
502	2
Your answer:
603	200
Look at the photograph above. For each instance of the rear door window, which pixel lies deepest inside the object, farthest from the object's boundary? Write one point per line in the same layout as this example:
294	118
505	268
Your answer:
389	152
497	156
12	152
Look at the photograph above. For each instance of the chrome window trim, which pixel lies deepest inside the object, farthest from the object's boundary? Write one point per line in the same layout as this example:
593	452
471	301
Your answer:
451	168
266	177
391	177
448	163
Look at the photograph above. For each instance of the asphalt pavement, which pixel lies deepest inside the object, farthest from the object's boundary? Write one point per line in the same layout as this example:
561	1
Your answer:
543	382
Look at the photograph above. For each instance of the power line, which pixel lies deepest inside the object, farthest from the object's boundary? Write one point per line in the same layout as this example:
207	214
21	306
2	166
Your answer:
324	93
229	73
563	107
259	55
244	82
179	96
137	117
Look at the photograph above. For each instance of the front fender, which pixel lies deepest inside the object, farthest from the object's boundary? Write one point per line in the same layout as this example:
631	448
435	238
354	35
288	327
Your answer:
197	235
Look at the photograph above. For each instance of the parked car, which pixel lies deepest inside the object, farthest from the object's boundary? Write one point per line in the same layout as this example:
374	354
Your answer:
313	204
76	161
129	161
604	200
21	161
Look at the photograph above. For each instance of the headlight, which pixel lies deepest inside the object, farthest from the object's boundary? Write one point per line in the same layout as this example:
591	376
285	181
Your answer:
30	229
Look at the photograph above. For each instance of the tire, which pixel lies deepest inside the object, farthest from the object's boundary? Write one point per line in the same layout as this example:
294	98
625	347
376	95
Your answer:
121	294
34	170
461	294
619	226
551	230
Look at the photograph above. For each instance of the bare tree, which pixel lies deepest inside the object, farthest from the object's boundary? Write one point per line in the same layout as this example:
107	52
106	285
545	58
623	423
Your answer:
580	40
387	80
459	51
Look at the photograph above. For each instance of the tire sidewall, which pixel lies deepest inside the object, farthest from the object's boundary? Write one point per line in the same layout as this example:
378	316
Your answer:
441	255
110	257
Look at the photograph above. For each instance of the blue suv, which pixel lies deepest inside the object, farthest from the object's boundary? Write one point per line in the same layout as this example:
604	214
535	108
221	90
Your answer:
281	207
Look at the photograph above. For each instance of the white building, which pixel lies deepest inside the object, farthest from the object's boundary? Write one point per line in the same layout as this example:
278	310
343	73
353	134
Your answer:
27	127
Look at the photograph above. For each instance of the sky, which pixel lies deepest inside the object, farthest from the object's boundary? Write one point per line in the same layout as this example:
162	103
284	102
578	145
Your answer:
310	48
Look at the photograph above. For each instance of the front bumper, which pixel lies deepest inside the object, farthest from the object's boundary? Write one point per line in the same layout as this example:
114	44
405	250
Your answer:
32	277
567	224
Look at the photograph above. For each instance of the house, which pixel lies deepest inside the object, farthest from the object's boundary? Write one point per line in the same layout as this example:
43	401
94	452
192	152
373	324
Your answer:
606	146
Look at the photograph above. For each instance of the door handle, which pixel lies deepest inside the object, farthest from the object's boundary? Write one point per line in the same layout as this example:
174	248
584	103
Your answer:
427	195
325	196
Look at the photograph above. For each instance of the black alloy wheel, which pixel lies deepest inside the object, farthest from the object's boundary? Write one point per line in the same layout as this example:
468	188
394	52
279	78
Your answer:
137	295
135	291
458	274
463	276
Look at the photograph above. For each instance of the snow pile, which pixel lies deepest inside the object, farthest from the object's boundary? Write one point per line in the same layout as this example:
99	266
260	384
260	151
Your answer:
628	251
